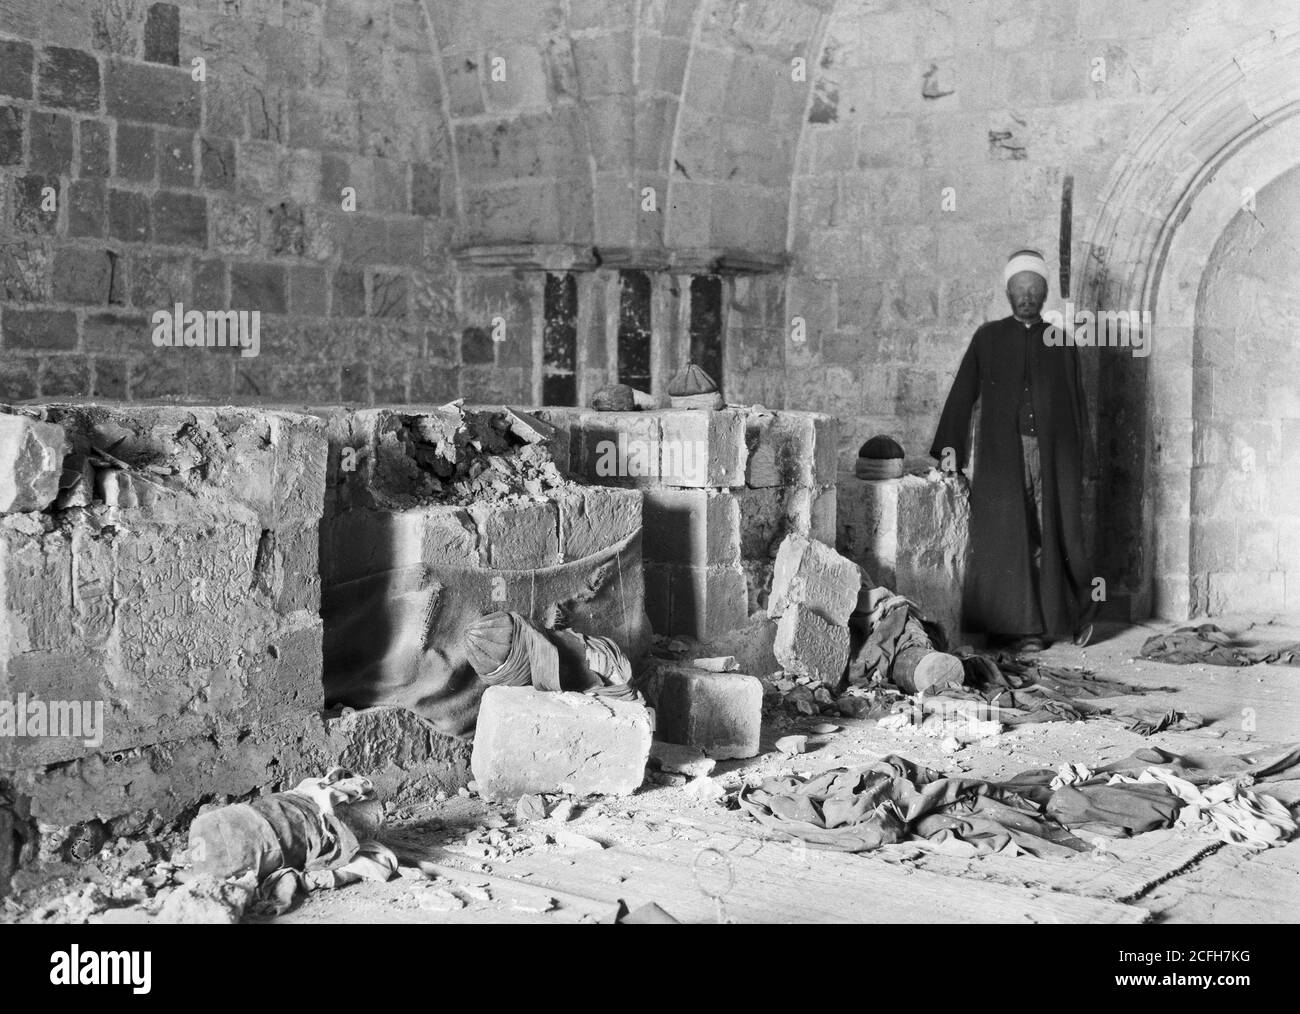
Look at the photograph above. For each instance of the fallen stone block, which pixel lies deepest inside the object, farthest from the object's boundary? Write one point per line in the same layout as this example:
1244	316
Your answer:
812	574
718	713
807	645
532	741
31	463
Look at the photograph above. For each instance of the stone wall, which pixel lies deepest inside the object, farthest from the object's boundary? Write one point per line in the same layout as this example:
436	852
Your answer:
720	489
1245	492
940	138
128	187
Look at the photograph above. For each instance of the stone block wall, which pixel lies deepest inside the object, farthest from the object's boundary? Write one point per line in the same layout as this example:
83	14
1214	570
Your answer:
404	579
911	534
186	615
720	490
282	158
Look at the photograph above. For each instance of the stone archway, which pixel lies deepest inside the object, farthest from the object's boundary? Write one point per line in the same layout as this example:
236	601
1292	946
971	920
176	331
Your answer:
1211	147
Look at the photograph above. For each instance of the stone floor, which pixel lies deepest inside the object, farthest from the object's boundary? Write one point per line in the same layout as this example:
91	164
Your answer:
701	861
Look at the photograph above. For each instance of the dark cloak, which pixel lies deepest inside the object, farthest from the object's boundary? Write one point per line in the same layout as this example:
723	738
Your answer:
999	591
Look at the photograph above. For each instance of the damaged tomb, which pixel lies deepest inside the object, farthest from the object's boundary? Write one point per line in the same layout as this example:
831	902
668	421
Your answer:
564	462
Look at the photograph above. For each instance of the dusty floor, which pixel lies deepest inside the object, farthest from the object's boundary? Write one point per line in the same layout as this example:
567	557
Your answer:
469	862
699	860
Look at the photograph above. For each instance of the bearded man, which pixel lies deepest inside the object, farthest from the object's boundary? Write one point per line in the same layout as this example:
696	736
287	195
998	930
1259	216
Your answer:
1028	579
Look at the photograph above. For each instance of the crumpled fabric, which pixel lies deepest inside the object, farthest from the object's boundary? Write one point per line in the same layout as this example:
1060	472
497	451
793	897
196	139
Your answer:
1208	644
1039	812
1238	815
1030	692
893	800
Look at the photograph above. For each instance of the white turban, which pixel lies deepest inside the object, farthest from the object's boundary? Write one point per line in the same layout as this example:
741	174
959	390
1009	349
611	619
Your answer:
1025	260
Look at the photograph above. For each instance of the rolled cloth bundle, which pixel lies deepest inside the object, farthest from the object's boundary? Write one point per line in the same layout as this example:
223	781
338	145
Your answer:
518	658
507	649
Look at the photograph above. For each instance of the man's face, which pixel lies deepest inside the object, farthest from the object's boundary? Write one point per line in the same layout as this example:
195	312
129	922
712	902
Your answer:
1026	292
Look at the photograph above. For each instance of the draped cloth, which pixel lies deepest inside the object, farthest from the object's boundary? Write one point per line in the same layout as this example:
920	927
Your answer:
999	595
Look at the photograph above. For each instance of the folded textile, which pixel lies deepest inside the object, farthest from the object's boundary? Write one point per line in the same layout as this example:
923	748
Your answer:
1208	644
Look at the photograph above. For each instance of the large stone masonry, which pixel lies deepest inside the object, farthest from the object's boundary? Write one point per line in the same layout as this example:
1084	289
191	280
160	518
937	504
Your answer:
721	490
911	535
188	609
404	577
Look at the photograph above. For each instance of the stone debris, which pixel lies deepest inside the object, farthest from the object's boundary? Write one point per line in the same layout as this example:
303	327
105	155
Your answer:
530	807
457	455
673	758
792	744
31	463
531	741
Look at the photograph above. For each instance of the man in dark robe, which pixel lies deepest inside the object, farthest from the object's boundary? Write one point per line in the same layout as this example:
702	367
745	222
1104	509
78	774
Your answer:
1028	579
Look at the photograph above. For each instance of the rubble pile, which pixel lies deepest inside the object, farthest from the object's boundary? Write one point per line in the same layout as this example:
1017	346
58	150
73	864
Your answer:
456	455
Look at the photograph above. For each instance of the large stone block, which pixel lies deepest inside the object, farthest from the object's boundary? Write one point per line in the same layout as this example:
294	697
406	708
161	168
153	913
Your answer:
719	713
31	463
171	630
705	602
699	527
911	534
190	608
811	574
593	518
790	449
618	448
519	535
703	448
807	645
533	741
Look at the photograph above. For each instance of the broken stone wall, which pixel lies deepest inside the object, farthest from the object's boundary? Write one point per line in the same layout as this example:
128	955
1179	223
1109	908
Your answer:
721	490
911	534
174	585
409	561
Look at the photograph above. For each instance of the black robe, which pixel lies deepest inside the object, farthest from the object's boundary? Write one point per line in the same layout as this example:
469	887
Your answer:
999	591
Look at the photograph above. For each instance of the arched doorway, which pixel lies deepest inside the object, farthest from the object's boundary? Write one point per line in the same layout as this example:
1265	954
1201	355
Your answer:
1211	151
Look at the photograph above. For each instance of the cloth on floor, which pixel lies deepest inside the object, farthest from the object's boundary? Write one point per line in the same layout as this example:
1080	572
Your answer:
1209	645
1036	692
1238	815
893	800
1037	812
1148	723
